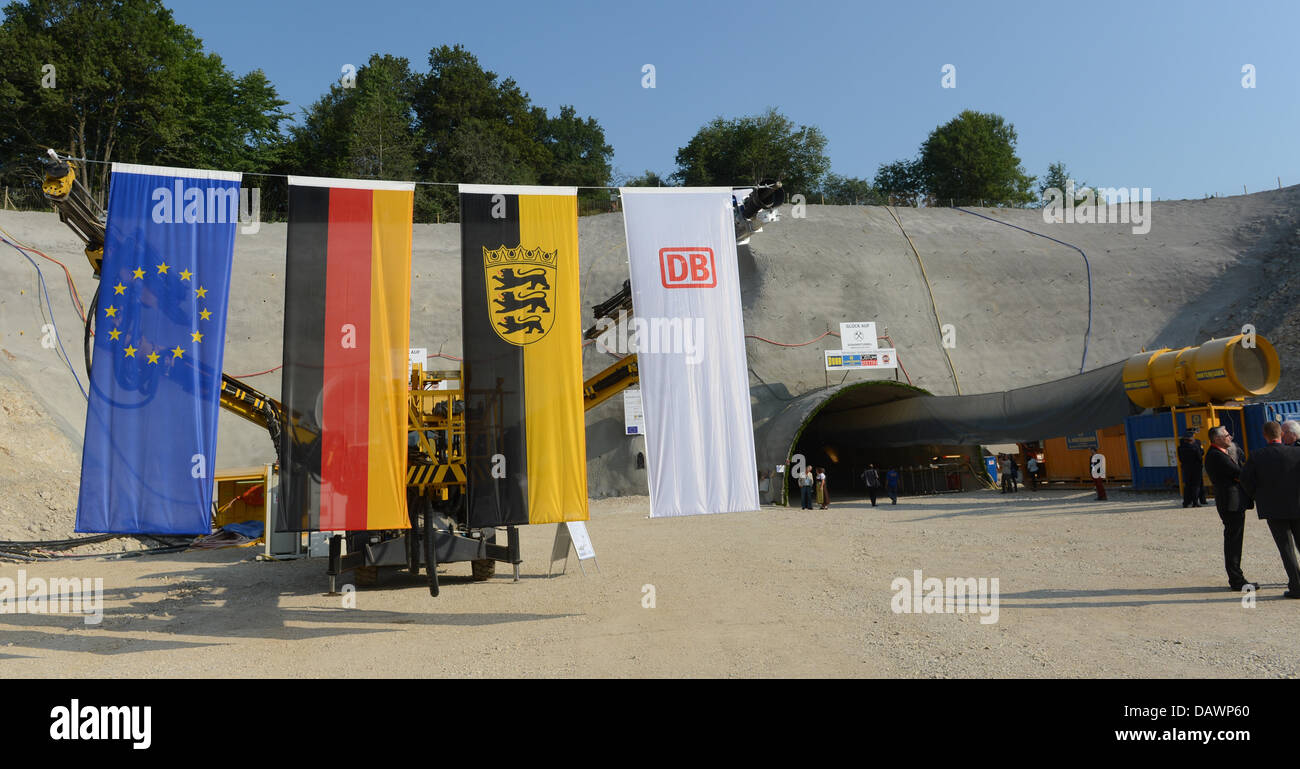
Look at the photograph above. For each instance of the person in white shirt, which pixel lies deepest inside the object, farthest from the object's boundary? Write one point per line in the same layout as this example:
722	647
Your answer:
806	489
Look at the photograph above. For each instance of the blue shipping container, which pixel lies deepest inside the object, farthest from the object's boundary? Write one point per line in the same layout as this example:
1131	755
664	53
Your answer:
1256	414
1149	427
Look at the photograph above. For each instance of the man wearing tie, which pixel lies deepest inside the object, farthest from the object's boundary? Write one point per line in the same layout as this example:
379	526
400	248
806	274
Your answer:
1272	477
1223	465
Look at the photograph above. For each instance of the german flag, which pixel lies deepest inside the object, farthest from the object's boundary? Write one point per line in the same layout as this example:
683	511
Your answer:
524	419
346	337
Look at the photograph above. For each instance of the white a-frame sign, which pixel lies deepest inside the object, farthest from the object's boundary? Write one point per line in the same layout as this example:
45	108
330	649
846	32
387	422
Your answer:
572	533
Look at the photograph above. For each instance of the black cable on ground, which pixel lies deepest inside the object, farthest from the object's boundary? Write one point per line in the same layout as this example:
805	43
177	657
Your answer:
59	544
36	550
27	557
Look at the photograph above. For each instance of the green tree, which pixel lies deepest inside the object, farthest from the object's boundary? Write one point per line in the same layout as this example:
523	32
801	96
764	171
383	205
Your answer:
363	131
748	150
1059	178
130	84
849	191
647	179
382	140
475	128
902	181
578	153
972	158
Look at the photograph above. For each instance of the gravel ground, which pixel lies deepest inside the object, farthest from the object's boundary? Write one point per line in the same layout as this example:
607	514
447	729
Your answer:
1133	587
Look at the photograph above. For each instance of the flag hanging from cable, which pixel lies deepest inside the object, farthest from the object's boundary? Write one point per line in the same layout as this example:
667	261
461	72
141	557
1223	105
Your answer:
347	316
681	248
524	419
160	330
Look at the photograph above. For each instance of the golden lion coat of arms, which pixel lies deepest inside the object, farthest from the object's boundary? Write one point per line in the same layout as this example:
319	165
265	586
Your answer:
520	292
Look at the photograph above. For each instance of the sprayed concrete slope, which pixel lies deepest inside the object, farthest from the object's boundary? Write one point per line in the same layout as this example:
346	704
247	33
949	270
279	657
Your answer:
1018	304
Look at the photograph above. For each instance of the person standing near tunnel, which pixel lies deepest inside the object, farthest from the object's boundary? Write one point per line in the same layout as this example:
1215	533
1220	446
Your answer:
1189	463
891	484
871	477
806	481
823	495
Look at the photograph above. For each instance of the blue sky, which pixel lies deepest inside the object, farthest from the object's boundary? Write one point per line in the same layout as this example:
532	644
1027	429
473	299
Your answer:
1133	94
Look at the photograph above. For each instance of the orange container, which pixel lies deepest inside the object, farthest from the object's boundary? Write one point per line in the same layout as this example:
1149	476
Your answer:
1074	465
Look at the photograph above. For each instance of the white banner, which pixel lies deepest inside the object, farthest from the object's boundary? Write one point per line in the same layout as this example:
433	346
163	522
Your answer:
681	246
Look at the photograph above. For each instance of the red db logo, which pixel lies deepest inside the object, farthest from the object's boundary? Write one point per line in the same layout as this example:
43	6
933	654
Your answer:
687	268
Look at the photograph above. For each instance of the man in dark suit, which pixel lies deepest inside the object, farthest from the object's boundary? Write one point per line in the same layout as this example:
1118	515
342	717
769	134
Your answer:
1189	463
1223	464
1292	428
1272	477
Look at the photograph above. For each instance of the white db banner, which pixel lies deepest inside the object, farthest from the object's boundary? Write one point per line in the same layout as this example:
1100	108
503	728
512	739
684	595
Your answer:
681	245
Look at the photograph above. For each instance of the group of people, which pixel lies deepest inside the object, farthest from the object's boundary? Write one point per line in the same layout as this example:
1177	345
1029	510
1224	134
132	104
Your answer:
1009	472
812	486
1269	482
872	478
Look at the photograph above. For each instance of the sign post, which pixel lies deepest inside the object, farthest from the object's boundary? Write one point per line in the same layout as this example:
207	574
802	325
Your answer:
633	414
858	337
572	533
849	360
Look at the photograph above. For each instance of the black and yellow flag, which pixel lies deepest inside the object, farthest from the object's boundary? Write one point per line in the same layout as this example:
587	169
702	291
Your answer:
524	416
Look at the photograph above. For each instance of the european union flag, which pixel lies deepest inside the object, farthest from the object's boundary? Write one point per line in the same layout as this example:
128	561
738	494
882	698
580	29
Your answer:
160	329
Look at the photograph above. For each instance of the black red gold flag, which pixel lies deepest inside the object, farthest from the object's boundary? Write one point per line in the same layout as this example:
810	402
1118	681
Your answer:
346	342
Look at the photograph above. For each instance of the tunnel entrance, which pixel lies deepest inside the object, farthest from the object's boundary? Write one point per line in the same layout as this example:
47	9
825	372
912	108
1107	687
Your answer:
921	469
820	436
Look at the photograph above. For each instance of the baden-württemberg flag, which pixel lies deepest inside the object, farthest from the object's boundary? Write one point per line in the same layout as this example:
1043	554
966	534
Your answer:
524	417
160	330
347	316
